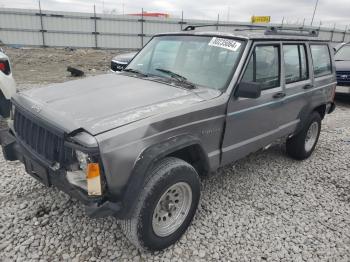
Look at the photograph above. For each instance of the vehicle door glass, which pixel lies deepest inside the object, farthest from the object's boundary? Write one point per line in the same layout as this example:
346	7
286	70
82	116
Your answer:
343	54
295	63
321	60
263	67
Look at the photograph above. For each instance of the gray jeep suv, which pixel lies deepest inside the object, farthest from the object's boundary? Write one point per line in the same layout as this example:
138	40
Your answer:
134	145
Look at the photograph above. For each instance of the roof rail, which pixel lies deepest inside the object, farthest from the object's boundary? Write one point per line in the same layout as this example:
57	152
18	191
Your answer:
193	27
269	30
295	31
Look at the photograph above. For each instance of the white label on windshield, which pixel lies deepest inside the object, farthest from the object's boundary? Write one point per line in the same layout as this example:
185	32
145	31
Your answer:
225	43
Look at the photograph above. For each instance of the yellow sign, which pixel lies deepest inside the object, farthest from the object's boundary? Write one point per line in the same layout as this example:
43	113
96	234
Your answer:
261	19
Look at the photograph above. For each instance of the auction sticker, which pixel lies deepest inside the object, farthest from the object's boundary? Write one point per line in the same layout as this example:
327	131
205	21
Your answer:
225	43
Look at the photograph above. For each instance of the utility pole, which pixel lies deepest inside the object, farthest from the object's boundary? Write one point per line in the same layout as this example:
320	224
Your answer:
95	25
42	25
313	16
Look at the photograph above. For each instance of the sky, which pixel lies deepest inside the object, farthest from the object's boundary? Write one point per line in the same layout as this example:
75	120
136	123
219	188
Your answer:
329	12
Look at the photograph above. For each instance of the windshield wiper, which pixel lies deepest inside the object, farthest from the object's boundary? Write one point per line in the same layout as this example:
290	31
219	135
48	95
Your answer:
135	71
181	79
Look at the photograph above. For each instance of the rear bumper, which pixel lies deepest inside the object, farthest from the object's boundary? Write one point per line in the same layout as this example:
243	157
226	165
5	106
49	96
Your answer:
94	206
343	89
330	107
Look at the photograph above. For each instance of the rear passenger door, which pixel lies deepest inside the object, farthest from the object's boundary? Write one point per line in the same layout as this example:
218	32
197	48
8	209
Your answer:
254	123
297	79
308	73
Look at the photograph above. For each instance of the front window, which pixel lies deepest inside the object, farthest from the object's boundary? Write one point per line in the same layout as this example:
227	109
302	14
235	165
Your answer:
264	67
201	60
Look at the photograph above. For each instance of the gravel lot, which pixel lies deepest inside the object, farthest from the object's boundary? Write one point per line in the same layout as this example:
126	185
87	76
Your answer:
264	207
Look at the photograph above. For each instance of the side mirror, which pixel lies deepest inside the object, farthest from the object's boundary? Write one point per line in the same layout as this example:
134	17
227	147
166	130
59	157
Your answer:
248	90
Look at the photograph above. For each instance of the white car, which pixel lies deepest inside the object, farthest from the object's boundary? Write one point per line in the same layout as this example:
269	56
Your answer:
7	85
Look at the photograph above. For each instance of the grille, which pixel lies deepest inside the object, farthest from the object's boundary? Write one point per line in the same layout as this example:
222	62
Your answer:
343	77
45	143
117	66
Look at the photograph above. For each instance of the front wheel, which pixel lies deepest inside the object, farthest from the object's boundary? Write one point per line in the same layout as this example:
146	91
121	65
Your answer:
303	144
166	205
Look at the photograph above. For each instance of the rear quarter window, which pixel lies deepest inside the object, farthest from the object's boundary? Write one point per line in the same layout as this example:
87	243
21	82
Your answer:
321	60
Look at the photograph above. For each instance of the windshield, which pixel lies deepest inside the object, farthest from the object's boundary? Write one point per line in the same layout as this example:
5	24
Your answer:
201	61
343	53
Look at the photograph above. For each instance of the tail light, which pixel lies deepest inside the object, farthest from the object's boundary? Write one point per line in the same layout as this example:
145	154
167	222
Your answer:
5	67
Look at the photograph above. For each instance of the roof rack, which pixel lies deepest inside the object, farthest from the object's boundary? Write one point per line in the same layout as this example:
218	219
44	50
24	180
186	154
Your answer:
193	27
269	30
295	31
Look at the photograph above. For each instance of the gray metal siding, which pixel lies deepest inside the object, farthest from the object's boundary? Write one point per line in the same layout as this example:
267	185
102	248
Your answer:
23	27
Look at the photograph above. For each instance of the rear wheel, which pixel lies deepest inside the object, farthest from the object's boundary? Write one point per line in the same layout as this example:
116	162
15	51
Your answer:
166	205
303	144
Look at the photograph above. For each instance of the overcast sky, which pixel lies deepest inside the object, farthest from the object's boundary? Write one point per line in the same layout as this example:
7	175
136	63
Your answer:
328	11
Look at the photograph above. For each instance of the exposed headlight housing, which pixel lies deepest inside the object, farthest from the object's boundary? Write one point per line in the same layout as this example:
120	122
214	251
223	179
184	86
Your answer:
87	174
83	160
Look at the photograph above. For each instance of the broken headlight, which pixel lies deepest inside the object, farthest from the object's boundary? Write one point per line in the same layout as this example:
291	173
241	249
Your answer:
86	171
82	159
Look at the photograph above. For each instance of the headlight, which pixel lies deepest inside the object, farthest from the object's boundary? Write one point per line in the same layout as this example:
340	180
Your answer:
85	172
83	160
91	170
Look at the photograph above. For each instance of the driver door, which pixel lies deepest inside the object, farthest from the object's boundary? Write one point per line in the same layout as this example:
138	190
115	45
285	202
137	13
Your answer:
254	123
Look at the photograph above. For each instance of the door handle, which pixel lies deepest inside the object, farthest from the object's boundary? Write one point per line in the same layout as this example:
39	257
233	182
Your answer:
308	86
279	95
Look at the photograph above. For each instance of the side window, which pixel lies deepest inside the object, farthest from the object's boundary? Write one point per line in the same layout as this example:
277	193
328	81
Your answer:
263	67
295	63
321	60
343	53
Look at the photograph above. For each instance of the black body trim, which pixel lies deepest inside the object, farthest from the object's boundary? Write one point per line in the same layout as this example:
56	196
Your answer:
147	159
39	169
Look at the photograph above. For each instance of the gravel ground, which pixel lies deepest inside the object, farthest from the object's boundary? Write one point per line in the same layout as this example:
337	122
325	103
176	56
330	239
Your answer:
265	207
33	66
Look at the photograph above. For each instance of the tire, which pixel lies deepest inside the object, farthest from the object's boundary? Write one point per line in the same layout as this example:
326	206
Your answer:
302	145
5	106
146	228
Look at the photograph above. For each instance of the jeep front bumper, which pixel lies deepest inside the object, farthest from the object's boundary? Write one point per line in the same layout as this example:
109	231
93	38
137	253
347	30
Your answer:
94	206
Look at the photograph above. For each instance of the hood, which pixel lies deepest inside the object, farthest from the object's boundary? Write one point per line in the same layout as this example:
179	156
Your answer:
101	103
342	65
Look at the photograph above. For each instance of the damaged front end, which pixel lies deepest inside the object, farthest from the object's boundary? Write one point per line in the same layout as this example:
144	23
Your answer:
69	162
